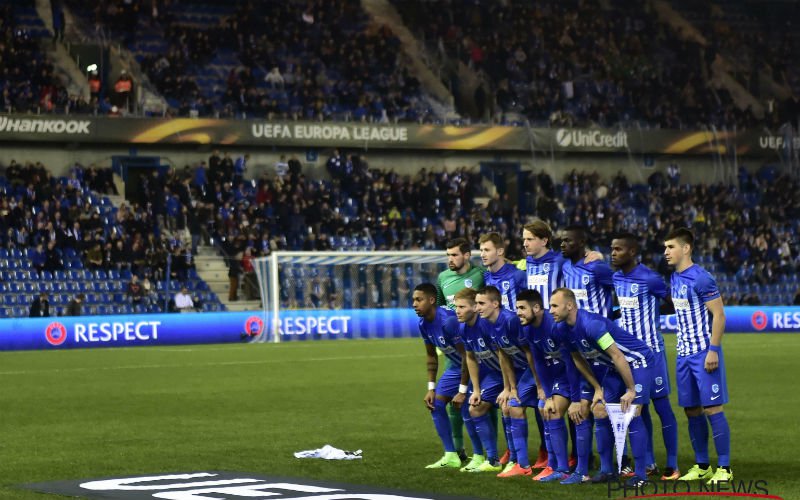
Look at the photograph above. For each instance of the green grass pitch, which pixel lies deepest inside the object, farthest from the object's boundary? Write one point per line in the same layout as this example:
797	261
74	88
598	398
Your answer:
88	414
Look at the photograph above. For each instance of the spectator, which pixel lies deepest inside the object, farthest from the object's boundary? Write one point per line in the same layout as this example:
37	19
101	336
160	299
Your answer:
38	257
94	256
40	307
75	306
250	279
796	300
183	301
234	271
135	292
53	260
123	91
281	168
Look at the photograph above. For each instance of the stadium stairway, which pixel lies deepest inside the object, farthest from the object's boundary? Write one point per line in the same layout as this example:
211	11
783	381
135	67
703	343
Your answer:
383	12
212	269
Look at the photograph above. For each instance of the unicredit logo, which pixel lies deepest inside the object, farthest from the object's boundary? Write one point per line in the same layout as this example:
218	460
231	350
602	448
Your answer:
45	126
55	333
590	138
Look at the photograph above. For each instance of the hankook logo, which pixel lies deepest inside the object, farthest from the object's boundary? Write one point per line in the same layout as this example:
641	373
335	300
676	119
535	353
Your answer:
590	138
44	126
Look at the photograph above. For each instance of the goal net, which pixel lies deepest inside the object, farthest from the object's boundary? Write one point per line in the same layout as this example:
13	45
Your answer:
355	294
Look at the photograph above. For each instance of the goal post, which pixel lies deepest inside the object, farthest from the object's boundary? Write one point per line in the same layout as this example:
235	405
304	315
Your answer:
302	291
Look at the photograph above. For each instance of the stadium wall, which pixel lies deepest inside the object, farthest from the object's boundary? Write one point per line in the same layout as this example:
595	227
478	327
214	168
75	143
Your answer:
239	327
58	158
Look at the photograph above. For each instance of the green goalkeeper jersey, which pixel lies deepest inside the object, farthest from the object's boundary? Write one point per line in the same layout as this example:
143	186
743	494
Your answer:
450	282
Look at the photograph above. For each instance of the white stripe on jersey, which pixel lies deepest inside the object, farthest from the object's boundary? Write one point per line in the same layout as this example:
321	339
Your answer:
694	328
544	278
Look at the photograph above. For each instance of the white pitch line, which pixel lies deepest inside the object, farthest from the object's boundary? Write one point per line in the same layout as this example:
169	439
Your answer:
191	365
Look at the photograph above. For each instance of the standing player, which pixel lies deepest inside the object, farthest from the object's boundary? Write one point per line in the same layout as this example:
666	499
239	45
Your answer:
501	274
485	375
639	290
700	371
459	275
551	362
621	362
590	282
439	329
519	382
543	267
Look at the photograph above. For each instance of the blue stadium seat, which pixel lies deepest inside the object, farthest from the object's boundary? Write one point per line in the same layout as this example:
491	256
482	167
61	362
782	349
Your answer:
59	275
100	274
9	300
33	274
113	274
30	287
47	275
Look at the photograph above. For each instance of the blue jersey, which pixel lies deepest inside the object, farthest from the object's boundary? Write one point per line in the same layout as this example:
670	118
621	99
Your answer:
478	340
547	349
444	333
544	274
593	333
639	293
591	283
509	280
691	289
507	336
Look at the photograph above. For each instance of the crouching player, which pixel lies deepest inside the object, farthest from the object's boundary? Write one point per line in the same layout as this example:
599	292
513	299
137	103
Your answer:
439	328
486	378
519	383
620	372
552	360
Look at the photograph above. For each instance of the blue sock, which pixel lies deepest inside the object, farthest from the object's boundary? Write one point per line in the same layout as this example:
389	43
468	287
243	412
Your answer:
519	433
442	423
638	435
573	437
540	426
648	425
548	444
698	433
605	443
472	432
669	430
558	440
722	438
583	434
487	435
512	452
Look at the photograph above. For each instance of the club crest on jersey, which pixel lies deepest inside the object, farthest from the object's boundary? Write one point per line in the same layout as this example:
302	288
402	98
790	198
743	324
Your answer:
635	288
506	285
659	380
638	387
481	343
546	267
684	289
715	388
441	340
468	283
586	279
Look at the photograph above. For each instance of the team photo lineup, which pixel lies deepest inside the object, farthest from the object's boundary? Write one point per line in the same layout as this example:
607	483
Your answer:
564	334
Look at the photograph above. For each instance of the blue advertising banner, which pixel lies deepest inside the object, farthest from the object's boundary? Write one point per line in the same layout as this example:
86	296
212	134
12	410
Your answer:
211	328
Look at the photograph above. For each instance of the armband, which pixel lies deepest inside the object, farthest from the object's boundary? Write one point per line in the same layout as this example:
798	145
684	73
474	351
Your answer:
715	348
431	386
462	389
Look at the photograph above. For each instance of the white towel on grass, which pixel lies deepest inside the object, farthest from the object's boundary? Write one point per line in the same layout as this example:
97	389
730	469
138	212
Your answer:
328	452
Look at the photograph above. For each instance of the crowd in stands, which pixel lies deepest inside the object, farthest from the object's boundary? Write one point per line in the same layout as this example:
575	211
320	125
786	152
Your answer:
53	226
563	63
748	231
583	62
318	60
27	81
